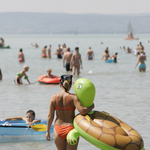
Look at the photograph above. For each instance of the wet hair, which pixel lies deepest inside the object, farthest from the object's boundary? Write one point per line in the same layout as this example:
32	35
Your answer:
20	50
76	48
31	112
66	82
68	49
116	53
106	51
45	46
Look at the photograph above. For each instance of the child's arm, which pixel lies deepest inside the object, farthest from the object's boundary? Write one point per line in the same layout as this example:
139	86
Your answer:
17	118
26	77
35	121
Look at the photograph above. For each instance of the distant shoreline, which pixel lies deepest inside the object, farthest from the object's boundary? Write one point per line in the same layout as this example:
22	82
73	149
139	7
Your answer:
62	23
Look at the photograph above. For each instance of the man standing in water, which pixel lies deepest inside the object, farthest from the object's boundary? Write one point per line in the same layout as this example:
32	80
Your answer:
21	56
90	54
67	57
49	51
59	52
43	52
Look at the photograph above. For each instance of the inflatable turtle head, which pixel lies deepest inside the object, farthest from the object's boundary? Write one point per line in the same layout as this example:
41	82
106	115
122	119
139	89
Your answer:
85	90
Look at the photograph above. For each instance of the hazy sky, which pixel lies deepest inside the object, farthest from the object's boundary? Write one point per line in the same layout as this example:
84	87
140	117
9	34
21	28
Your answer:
77	6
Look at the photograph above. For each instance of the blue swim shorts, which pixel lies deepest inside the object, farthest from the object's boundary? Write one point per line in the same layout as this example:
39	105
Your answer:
142	66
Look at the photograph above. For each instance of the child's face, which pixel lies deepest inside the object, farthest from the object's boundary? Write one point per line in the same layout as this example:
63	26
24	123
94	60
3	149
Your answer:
49	72
29	117
26	69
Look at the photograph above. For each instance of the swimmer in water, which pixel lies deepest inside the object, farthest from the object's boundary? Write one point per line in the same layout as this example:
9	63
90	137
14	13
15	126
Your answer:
141	61
29	119
43	52
90	54
21	74
106	56
21	57
76	62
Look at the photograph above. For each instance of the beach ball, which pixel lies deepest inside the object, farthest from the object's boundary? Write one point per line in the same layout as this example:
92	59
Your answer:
85	90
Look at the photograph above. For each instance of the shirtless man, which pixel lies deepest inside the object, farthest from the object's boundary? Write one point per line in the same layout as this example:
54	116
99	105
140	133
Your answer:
67	57
59	52
114	57
21	56
49	51
64	48
43	52
35	45
90	54
2	42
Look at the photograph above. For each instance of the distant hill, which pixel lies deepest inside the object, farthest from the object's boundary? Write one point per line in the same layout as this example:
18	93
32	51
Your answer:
59	23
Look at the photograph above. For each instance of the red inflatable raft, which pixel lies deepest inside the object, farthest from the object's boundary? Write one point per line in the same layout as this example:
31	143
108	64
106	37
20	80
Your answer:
46	80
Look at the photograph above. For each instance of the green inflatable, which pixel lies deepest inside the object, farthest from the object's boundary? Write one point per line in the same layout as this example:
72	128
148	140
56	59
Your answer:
85	90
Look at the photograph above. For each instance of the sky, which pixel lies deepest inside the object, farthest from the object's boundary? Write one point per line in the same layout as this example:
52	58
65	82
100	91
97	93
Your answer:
77	6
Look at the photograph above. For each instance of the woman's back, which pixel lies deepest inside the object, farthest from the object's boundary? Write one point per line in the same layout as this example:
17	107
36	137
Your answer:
64	106
142	58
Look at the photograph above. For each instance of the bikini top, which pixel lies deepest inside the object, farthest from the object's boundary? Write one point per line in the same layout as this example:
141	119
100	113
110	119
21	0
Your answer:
20	75
77	57
64	108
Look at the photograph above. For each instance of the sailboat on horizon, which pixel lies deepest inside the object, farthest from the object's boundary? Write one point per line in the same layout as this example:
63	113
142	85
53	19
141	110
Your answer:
130	33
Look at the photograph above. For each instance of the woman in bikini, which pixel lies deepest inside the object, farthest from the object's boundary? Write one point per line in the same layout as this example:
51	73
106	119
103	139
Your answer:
141	61
21	74
76	62
64	103
106	55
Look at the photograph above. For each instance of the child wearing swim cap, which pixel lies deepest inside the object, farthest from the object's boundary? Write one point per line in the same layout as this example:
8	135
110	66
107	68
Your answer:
29	119
21	74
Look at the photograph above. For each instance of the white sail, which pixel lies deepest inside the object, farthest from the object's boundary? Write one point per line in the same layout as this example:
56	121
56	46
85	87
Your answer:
130	31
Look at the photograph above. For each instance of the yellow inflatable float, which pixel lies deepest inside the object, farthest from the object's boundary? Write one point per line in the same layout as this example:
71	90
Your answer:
100	128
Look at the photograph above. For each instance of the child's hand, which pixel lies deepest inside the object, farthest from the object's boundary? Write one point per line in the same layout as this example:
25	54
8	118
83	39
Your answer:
30	123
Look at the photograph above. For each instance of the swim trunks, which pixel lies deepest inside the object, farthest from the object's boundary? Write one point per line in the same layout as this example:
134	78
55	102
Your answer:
59	56
67	66
90	57
44	55
20	59
17	81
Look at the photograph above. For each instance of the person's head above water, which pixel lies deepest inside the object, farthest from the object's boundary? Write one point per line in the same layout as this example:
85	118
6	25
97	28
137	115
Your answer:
66	82
77	48
68	49
30	115
26	67
49	70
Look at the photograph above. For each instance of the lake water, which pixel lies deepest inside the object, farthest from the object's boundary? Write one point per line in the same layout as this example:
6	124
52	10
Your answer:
120	89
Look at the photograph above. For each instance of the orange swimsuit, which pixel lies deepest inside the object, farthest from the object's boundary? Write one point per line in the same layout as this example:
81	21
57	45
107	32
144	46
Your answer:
77	64
62	131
